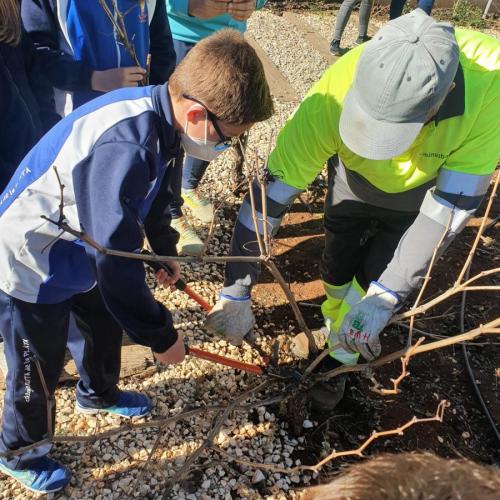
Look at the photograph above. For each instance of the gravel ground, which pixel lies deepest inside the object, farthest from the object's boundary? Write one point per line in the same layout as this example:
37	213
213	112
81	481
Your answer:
300	63
108	468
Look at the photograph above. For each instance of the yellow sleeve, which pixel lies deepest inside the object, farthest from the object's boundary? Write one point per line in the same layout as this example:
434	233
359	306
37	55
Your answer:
480	151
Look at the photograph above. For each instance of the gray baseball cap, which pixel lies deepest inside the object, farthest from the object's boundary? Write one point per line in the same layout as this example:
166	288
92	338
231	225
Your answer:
404	72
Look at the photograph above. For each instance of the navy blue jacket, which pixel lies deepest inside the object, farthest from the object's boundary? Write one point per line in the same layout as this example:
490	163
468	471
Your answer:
111	155
26	105
75	37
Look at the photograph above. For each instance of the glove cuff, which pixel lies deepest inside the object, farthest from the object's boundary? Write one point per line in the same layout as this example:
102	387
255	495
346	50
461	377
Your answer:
234	299
390	298
236	291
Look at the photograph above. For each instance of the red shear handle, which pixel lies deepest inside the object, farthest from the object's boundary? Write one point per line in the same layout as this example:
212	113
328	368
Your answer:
217	358
203	303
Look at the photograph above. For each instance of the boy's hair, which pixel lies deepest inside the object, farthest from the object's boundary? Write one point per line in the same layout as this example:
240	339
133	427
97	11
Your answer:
411	476
10	22
224	73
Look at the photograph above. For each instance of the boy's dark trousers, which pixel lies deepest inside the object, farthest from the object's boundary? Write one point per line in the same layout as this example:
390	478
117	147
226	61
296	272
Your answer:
41	331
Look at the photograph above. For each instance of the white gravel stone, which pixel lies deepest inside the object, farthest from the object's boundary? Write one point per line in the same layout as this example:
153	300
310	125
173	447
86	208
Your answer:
307	424
258	477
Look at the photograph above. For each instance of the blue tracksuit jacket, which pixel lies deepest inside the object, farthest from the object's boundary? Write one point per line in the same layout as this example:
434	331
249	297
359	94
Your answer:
111	155
75	37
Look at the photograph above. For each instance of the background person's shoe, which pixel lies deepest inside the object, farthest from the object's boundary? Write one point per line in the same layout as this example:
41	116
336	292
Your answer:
130	404
199	205
42	476
326	395
335	48
362	39
189	242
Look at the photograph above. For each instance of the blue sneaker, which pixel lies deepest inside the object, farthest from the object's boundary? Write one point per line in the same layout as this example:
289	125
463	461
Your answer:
130	404
42	476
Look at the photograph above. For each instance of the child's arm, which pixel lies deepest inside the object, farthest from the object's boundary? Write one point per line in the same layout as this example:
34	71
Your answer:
161	46
110	188
39	19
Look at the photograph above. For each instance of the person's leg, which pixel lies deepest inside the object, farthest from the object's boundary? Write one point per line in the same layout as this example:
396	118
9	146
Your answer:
187	173
30	331
192	173
343	17
99	363
426	6
348	226
96	350
396	8
381	247
365	10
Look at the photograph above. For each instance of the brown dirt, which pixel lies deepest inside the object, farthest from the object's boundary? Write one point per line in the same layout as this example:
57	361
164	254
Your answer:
436	375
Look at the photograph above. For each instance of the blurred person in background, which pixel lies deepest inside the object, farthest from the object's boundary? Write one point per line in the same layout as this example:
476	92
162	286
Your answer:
343	16
192	21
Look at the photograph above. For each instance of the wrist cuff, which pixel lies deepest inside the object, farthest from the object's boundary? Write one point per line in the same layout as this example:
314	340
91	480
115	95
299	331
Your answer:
165	342
236	291
236	299
388	294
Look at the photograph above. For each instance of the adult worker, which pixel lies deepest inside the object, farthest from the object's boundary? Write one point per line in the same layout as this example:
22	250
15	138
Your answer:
408	124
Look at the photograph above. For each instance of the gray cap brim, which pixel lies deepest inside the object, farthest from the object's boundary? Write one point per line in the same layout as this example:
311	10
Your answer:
374	139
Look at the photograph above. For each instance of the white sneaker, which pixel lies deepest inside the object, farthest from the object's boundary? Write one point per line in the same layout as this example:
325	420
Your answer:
199	205
189	242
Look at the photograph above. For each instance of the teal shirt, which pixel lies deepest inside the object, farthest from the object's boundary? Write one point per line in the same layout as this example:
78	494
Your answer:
191	29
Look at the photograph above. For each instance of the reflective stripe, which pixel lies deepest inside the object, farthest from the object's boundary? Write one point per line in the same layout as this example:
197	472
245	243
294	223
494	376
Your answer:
245	218
450	181
336	291
340	354
282	193
353	296
355	293
440	211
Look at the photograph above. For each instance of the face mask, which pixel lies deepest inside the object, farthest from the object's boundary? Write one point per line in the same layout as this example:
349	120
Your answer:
201	148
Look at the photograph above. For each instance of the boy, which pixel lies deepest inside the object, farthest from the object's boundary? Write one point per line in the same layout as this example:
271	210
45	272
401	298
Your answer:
111	156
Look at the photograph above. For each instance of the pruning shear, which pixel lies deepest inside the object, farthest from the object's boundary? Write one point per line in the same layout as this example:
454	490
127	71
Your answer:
180	284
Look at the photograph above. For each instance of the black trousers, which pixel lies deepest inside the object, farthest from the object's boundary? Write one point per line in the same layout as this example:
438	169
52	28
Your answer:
41	331
360	239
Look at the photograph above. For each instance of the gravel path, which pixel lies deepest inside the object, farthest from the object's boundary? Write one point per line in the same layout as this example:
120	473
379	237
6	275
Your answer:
295	58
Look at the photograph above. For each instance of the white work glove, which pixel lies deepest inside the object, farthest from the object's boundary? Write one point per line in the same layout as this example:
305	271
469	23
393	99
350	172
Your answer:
231	318
361	327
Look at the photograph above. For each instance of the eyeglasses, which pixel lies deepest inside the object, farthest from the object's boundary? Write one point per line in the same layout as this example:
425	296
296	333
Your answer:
225	141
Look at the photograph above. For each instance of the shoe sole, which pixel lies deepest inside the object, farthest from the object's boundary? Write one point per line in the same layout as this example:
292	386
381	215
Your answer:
96	411
7	472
